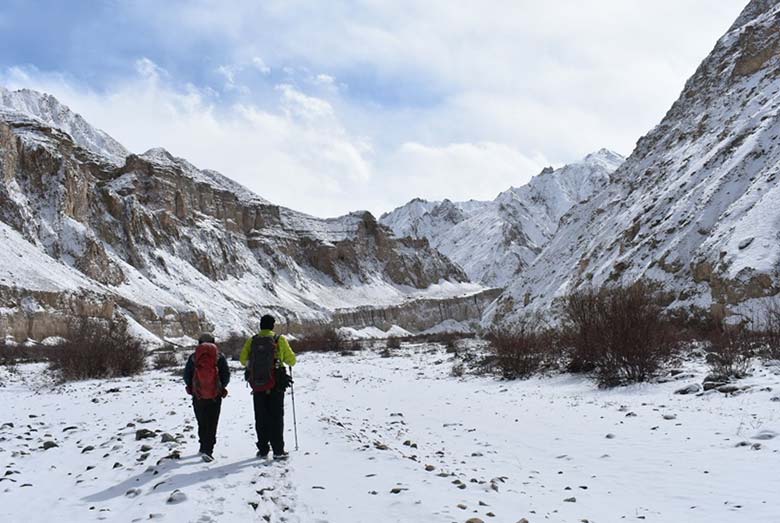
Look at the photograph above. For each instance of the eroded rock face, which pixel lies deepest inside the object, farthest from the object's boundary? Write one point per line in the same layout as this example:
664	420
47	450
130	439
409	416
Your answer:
176	248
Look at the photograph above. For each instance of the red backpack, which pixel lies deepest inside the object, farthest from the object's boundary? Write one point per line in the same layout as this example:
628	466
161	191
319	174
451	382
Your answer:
205	380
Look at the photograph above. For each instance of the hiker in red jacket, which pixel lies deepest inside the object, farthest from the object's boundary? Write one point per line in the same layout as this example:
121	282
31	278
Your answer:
207	375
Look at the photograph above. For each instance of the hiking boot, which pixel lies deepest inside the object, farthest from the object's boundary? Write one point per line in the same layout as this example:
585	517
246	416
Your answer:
261	454
282	455
208	458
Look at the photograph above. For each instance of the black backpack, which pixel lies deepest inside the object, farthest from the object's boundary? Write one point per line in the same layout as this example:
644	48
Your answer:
260	370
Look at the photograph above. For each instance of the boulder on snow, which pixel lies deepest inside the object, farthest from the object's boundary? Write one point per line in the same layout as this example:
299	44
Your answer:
765	435
167	438
49	445
177	496
144	434
693	388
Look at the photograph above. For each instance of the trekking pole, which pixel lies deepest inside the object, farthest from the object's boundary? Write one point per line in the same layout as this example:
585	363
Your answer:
292	394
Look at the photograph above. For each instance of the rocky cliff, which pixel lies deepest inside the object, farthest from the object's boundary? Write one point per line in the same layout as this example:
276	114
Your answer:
174	248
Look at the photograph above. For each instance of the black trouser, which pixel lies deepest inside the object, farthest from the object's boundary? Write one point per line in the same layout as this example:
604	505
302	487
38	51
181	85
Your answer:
269	420
207	414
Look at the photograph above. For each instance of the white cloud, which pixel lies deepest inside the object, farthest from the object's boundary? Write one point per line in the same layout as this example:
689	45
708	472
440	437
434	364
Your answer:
260	65
384	101
300	155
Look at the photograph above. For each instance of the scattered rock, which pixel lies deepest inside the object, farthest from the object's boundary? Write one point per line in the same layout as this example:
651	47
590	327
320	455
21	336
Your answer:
610	436
7	425
765	435
146	448
167	438
177	496
49	445
709	385
462	506
670	417
570	500
429	468
88	448
396	490
380	446
72	427
693	388
728	389
144	434
133	492
117	465
474	520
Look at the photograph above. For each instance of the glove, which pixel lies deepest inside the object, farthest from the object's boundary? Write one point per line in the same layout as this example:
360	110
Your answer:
224	393
189	390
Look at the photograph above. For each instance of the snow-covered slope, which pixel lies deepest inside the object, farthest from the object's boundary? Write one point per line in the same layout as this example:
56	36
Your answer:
696	206
48	110
494	241
175	248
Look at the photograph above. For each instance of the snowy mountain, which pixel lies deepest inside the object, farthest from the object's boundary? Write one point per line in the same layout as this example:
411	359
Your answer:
494	241
49	111
174	248
696	207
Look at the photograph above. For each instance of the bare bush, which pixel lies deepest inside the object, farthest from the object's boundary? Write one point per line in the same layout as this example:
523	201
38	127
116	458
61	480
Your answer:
11	355
95	349
165	359
393	342
732	348
618	332
324	338
232	346
520	352
770	327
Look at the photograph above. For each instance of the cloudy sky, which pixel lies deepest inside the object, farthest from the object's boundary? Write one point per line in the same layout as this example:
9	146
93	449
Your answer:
328	107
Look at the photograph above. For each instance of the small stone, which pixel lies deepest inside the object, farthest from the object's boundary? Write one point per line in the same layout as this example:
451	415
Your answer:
670	417
88	448
610	436
462	506
146	448
765	435
380	446
523	520
570	500
396	490
429	468
474	520
49	445
177	496
728	389
709	385
167	438
144	434
72	427
133	492
117	465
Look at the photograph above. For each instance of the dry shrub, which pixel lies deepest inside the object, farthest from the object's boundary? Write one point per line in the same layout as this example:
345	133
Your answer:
732	348
393	342
232	346
95	349
520	351
11	355
620	333
165	359
770	327
323	339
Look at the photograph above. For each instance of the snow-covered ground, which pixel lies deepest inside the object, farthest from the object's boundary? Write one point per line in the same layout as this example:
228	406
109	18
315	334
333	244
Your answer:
396	439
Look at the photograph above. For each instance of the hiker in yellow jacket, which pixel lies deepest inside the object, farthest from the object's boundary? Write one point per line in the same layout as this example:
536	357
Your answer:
264	356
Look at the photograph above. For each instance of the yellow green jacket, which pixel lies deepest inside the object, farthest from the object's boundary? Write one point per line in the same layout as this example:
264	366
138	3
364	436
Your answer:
283	351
